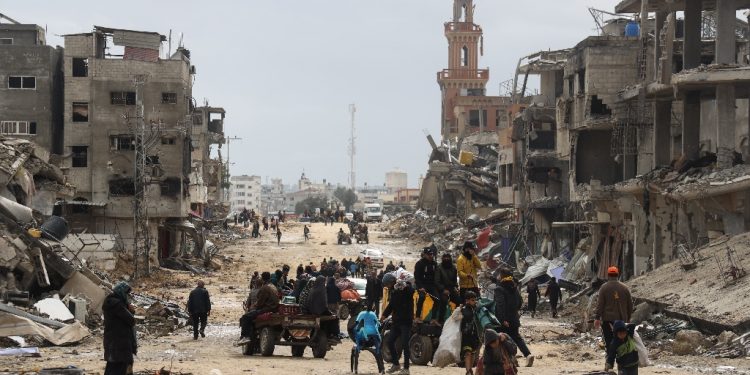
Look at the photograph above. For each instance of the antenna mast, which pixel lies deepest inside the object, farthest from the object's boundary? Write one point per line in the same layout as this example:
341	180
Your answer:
352	151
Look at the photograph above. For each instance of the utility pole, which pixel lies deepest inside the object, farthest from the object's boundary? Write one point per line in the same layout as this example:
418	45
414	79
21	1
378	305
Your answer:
225	186
352	151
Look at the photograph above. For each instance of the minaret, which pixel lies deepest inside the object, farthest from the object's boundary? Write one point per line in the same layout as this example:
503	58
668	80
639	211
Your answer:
463	77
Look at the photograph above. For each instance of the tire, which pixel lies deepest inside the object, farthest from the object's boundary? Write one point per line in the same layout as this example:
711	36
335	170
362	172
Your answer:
421	350
320	347
267	341
387	351
343	312
298	351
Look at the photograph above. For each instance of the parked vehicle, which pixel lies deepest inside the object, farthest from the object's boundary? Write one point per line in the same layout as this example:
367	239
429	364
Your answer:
373	212
375	256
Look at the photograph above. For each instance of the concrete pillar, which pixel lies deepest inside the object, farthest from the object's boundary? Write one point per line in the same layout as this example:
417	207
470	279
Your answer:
725	39
725	129
662	138
691	122
692	47
658	25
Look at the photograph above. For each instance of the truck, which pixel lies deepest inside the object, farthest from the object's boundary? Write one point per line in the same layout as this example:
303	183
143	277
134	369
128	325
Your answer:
373	212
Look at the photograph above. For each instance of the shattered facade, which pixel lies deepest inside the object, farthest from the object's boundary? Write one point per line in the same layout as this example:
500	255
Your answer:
206	173
636	148
32	84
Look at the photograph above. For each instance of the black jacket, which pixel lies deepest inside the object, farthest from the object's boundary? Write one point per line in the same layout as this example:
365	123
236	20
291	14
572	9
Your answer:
507	303
317	302
119	331
199	302
374	289
446	278
401	305
553	292
424	274
332	291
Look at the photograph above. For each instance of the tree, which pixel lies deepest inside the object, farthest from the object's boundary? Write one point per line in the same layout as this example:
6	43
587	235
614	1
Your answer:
346	196
310	204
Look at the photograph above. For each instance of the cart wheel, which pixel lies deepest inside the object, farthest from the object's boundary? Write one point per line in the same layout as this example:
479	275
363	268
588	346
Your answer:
298	351
267	341
343	311
421	350
320	347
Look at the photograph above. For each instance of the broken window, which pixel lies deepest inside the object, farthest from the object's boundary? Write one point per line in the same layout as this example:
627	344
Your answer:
80	156
121	187
170	187
80	67
474	118
18	127
542	136
197	119
465	56
122	143
22	82
152	160
168	98
6	41
122	97
167	141
598	107
582	81
80	112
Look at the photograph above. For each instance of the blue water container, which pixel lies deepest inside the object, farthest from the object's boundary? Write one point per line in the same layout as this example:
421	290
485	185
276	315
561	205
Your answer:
632	29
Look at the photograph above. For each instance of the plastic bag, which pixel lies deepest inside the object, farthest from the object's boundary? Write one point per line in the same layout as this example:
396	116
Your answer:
643	360
402	274
449	350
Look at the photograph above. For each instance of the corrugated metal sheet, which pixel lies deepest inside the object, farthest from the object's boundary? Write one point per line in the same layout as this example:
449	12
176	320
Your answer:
136	39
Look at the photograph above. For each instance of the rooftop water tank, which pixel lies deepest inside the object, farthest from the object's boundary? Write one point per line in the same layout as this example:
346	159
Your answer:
632	29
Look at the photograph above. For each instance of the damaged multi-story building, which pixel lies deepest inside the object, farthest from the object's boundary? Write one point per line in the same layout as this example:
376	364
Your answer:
469	121
32	84
122	99
207	172
634	152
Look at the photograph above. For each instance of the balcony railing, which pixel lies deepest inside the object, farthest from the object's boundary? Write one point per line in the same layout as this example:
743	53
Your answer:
462	26
483	74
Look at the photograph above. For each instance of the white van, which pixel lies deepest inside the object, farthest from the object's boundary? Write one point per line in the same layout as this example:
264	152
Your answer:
373	212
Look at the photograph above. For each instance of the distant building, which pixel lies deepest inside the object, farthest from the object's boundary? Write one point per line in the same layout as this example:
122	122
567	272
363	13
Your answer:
395	180
272	197
245	192
31	88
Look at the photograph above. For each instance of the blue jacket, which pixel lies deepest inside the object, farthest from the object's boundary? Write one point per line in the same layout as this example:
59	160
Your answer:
624	351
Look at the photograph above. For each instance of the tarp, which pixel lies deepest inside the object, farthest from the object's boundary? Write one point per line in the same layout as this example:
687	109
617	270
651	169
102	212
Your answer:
12	325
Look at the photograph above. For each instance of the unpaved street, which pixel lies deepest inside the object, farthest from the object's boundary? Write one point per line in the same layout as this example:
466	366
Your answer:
549	340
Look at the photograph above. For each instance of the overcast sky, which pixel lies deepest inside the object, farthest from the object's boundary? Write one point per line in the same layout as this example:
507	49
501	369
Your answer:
287	70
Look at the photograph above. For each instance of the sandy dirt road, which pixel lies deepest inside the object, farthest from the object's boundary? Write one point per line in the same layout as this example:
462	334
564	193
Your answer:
228	288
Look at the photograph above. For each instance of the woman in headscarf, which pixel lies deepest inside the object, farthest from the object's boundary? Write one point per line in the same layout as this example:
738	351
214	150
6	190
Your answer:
333	294
317	304
119	331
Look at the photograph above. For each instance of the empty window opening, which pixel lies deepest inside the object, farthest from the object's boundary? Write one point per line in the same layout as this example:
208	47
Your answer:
80	67
80	112
152	160
22	82
168	98
6	41
121	187
603	167
542	136
475	92
474	118
170	187
122	143
167	141
80	207
598	107
122	97
582	81
197	119
80	156
465	56
463	17
18	127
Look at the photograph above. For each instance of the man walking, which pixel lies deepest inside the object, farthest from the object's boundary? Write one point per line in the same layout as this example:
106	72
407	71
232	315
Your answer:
468	266
532	288
614	303
307	233
553	292
199	308
401	305
278	234
507	304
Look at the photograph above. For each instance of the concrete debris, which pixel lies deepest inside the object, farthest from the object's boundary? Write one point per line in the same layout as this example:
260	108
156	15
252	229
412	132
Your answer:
689	342
54	309
14	325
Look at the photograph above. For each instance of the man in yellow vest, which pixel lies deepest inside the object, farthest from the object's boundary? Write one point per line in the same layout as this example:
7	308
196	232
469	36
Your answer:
468	266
